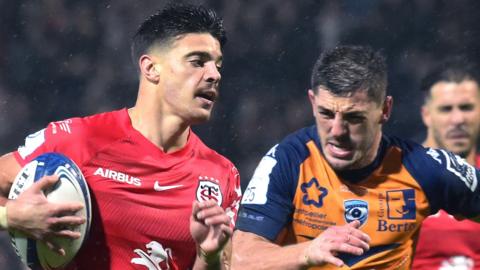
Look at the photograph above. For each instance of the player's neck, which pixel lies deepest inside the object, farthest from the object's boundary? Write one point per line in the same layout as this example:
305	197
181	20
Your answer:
429	143
166	132
471	157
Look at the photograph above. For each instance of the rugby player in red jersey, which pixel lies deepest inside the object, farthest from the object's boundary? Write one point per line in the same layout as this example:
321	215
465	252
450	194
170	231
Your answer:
451	113
161	198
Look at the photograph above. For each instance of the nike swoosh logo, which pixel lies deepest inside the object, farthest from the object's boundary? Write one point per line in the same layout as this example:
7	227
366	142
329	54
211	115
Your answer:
157	187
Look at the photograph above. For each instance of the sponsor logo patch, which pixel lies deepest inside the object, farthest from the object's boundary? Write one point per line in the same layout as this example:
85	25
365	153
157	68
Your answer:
356	210
461	169
256	192
156	257
401	204
158	187
456	165
209	190
118	176
62	125
313	193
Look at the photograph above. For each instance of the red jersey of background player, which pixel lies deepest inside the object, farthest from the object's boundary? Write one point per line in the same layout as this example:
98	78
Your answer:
141	196
448	244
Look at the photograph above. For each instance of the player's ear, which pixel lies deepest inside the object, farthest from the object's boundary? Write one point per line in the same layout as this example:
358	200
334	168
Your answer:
149	68
311	97
387	109
426	115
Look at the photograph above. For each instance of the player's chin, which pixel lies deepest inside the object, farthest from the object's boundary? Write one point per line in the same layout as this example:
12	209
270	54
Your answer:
461	149
459	145
200	117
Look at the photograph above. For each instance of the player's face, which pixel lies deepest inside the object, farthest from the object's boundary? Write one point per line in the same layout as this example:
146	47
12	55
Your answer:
190	77
452	116
349	127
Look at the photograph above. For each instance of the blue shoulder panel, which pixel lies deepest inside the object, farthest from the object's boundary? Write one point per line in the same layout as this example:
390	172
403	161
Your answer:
267	203
449	182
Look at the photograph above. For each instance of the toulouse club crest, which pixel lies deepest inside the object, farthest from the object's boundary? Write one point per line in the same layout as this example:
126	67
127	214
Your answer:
209	189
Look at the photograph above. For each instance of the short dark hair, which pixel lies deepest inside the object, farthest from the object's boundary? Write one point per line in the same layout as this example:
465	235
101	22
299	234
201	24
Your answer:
172	21
455	68
347	69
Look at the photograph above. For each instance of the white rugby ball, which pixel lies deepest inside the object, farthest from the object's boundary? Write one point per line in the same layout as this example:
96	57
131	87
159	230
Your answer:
71	187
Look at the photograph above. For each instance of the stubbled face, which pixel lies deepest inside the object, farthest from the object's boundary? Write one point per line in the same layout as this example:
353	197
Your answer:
189	76
452	116
349	127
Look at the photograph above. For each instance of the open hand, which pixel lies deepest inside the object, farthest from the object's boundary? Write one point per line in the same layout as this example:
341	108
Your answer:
210	226
336	239
32	214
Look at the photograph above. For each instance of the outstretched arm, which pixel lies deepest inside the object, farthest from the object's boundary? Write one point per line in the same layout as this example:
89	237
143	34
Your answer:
251	251
210	228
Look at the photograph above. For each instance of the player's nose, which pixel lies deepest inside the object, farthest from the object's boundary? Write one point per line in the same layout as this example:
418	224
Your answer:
212	73
338	128
457	117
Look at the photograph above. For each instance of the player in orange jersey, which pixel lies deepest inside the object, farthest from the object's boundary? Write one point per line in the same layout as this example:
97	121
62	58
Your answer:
451	113
341	193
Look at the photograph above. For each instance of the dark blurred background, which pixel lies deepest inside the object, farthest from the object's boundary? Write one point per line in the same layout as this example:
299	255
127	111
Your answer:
60	59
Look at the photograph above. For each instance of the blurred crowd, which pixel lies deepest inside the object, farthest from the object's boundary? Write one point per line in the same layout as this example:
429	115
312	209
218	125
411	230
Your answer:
60	59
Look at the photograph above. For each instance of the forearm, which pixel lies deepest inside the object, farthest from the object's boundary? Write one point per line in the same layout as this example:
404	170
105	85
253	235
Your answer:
274	257
250	253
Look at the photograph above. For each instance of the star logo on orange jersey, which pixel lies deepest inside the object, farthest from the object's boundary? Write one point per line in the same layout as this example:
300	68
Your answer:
313	193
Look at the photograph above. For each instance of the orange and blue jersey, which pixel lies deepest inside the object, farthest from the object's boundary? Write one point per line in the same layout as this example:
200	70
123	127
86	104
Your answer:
457	248
294	195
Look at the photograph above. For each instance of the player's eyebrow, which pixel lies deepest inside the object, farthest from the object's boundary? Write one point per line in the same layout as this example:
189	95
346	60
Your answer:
204	55
467	106
445	107
356	113
353	112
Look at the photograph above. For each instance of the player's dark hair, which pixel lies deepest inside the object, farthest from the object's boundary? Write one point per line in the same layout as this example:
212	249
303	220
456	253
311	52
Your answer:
173	21
453	69
347	69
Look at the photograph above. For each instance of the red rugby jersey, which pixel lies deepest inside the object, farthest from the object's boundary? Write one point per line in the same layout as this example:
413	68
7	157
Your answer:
446	243
141	196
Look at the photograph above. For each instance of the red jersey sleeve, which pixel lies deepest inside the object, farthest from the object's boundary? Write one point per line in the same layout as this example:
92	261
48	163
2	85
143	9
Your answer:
234	195
66	137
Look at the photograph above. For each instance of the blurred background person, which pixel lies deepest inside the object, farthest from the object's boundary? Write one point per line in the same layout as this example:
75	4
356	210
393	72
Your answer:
451	113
